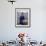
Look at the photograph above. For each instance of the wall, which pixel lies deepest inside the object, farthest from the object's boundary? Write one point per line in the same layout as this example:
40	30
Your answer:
8	31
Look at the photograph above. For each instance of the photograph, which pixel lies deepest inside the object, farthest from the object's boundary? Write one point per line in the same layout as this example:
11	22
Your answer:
22	17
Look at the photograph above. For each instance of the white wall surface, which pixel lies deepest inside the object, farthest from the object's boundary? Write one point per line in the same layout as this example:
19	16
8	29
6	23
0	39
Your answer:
8	31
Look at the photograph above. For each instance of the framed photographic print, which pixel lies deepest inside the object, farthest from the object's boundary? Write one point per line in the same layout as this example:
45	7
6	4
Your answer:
22	17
